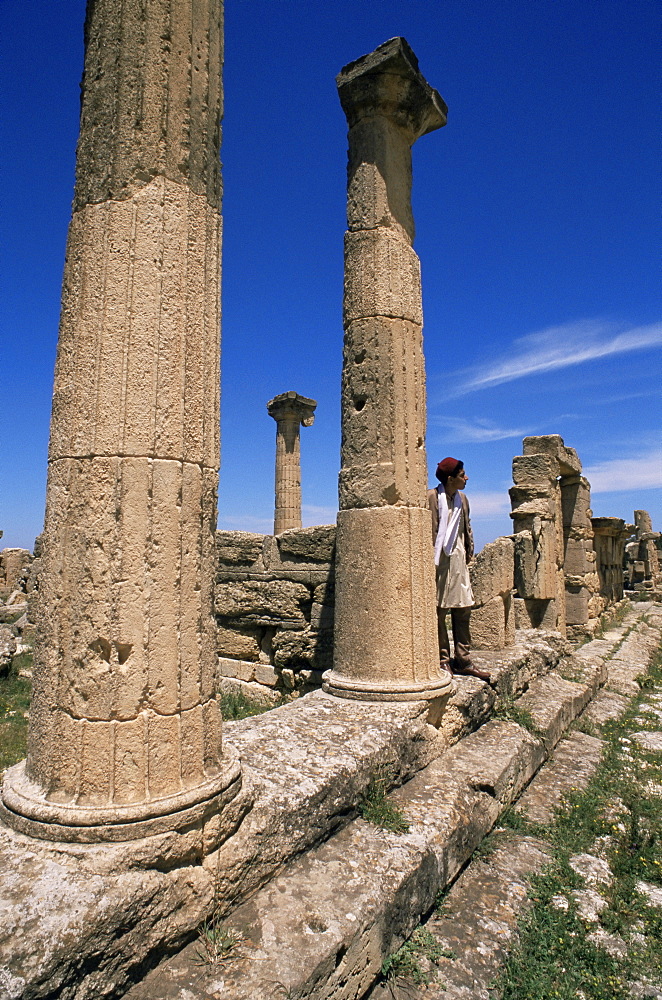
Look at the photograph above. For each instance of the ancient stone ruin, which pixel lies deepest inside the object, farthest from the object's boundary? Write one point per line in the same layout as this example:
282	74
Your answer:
643	551
385	643
125	727
140	858
290	411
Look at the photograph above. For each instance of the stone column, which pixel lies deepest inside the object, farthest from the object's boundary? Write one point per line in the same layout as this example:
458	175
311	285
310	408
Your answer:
385	641
289	410
609	534
647	548
582	584
125	728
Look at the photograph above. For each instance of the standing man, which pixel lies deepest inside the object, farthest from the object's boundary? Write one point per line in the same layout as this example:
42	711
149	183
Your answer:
453	548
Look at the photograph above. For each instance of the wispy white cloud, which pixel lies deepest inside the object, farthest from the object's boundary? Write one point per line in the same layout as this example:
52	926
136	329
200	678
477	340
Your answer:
479	430
558	347
246	522
487	506
311	515
620	475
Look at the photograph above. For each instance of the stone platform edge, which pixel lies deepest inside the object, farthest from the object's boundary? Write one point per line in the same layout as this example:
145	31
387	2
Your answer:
89	920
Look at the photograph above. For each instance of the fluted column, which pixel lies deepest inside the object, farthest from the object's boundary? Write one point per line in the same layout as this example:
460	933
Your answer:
385	640
290	411
125	728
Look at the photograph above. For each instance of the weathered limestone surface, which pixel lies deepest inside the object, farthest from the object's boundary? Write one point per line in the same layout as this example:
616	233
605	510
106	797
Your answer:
384	880
643	555
556	576
478	925
274	603
289	410
125	728
609	534
492	579
13	566
574	763
385	643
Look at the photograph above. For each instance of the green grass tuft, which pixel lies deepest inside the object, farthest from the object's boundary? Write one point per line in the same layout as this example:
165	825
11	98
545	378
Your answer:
14	707
376	808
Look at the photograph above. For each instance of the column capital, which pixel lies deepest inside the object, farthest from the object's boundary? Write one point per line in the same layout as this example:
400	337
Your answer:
388	83
292	406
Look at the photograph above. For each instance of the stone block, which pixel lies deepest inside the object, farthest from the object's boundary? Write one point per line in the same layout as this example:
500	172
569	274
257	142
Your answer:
576	605
321	616
243	670
382	277
379	177
269	602
524	564
575	556
552	444
174	334
374	632
238	641
529	613
488	625
12	564
325	593
530	501
265	674
535	563
529	469
183	150
576	502
492	570
383	393
237	548
317	543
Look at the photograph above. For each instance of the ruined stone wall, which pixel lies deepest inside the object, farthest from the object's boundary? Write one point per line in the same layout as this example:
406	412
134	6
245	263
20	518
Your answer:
609	534
642	562
14	569
274	602
492	581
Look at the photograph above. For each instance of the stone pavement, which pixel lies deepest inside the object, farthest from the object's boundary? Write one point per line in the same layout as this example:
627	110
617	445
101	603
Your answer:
323	926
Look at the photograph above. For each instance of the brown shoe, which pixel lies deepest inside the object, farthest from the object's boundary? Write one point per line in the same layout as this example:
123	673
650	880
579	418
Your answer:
468	670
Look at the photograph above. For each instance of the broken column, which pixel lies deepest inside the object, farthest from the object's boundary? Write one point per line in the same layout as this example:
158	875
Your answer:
290	411
385	638
609	534
582	586
125	728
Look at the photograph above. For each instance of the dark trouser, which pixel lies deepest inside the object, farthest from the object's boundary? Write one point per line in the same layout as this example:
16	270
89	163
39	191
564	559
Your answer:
461	635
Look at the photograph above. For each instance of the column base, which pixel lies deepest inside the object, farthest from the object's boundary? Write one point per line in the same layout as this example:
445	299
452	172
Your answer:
25	808
341	686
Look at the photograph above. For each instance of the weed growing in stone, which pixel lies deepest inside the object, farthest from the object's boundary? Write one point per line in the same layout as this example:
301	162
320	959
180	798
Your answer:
14	706
510	710
236	705
216	943
413	960
376	808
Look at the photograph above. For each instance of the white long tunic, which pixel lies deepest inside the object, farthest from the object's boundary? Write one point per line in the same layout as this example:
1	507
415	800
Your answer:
453	583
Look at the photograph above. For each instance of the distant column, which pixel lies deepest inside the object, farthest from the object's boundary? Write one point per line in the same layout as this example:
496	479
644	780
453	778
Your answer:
385	641
290	411
125	728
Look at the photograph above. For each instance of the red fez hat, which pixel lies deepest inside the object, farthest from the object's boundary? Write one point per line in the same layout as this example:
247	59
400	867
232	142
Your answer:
449	467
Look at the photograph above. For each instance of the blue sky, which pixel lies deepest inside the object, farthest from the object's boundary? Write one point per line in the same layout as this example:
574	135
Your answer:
536	216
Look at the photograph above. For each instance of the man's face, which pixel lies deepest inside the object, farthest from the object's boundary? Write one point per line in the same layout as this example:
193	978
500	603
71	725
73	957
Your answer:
458	482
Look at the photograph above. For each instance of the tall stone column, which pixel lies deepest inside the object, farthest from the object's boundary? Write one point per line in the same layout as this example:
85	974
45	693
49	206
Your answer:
125	728
290	411
385	641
